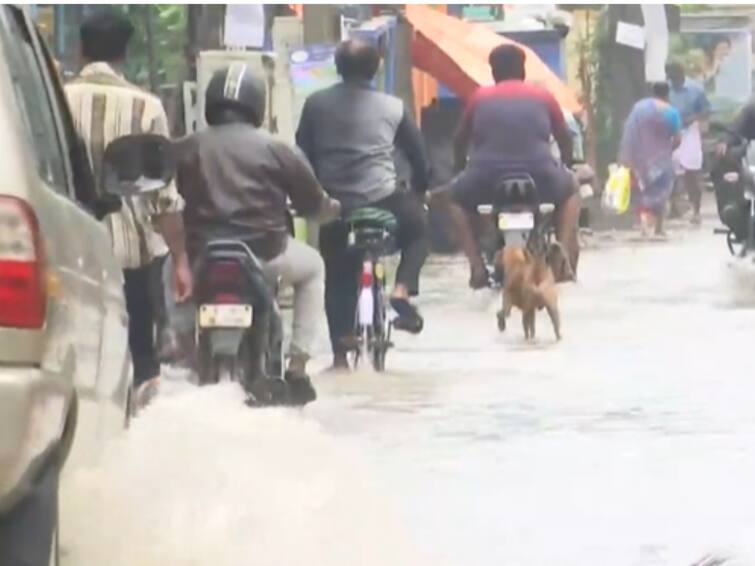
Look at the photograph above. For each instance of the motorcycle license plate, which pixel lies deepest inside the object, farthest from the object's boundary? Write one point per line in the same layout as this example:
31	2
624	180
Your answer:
225	316
516	221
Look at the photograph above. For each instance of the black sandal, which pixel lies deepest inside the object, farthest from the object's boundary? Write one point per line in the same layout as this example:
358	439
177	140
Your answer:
409	319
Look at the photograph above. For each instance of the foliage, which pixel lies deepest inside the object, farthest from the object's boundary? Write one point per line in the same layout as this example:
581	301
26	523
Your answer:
607	131
169	28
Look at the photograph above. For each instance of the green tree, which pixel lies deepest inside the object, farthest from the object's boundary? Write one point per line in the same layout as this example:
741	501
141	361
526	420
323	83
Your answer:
157	54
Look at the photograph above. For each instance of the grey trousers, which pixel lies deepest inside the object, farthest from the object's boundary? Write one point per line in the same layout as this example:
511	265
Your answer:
302	268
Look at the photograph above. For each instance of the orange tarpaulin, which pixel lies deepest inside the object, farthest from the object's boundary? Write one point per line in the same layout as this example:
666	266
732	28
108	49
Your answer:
456	53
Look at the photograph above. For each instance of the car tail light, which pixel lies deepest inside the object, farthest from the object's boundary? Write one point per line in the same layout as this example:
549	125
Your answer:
23	297
366	278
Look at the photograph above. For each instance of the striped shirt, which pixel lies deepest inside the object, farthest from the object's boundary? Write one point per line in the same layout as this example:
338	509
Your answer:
105	106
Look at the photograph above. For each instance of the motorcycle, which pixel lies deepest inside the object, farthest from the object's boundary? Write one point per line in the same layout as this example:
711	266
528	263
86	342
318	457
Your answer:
515	215
239	335
734	190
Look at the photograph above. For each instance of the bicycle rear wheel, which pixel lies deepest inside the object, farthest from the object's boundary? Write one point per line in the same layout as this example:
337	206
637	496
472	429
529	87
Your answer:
381	330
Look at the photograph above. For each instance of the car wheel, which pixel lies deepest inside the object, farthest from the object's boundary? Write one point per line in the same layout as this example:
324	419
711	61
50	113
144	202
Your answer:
29	532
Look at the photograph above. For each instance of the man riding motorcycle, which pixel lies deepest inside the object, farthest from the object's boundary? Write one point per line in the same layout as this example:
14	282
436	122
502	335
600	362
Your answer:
349	132
506	129
235	179
733	207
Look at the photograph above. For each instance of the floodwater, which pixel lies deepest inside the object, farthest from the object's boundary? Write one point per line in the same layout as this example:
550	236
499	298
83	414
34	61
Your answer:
631	442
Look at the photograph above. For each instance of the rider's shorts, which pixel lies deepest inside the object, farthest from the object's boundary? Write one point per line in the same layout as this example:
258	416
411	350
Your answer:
477	184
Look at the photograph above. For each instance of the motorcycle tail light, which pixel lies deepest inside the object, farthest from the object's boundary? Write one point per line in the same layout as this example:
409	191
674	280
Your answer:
223	272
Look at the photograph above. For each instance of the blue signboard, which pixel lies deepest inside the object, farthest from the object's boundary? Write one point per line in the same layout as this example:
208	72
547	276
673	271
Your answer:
381	32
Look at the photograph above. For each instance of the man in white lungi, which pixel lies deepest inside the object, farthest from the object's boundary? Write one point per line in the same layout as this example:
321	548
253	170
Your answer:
693	106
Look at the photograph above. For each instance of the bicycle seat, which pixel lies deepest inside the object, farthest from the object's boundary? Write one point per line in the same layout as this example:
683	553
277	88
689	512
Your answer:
372	228
371	217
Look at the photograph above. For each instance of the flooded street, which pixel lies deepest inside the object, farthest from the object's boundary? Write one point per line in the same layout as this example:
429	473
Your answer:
631	442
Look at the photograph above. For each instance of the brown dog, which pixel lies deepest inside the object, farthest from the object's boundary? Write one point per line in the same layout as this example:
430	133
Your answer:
530	286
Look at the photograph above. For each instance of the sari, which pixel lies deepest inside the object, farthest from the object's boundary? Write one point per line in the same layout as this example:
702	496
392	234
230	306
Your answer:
647	146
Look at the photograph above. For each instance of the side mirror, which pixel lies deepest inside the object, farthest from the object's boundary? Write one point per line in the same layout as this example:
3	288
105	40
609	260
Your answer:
138	164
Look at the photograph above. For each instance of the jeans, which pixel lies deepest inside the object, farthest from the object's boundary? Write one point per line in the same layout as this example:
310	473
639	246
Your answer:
342	267
139	293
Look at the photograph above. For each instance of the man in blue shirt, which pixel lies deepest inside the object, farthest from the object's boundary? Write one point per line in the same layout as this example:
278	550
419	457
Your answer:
693	106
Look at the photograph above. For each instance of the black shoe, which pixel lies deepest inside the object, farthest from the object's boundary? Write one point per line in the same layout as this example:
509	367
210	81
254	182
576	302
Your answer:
300	389
267	391
409	318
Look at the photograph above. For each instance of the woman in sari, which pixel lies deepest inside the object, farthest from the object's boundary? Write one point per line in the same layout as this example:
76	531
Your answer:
651	133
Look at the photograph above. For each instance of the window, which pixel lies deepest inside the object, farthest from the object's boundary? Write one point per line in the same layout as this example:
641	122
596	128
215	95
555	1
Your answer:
32	99
83	178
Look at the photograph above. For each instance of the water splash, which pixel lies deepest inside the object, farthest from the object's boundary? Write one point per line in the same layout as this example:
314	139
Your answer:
201	479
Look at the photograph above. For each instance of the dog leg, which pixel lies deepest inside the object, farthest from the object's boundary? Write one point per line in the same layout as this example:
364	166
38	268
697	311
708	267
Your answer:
528	322
501	321
533	319
505	311
555	317
550	302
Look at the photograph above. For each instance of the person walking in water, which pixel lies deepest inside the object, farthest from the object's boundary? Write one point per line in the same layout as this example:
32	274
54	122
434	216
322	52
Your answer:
693	106
651	133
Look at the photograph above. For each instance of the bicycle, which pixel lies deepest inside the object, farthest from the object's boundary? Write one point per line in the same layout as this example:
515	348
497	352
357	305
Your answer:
371	232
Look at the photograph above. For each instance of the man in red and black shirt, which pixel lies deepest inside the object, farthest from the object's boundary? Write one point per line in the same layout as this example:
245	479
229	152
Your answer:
506	129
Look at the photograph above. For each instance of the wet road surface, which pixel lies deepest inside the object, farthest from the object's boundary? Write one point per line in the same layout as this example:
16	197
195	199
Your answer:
630	442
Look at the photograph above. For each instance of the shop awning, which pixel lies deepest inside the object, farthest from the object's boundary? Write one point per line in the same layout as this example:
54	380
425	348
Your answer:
456	52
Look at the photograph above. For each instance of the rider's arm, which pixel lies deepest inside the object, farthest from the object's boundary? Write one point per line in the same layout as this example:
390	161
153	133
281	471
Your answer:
744	125
305	132
560	129
299	181
409	140
166	210
463	136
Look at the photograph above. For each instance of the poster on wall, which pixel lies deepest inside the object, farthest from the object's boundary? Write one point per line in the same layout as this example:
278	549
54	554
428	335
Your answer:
311	68
720	62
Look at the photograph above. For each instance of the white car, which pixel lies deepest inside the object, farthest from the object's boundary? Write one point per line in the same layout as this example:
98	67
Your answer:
65	370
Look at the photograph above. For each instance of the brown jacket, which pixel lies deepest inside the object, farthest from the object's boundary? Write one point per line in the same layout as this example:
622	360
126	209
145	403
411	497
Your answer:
235	180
